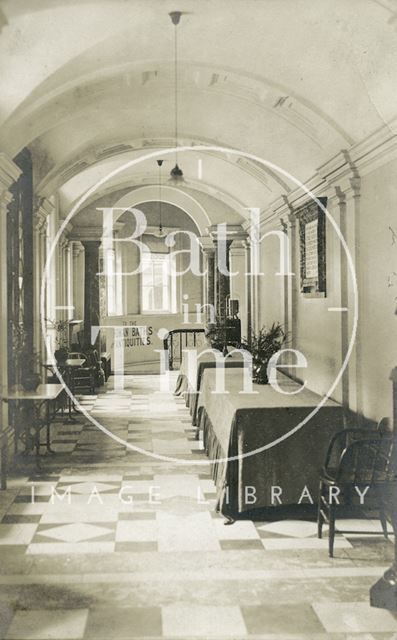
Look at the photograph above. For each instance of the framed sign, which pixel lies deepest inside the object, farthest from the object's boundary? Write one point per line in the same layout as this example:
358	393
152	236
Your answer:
313	267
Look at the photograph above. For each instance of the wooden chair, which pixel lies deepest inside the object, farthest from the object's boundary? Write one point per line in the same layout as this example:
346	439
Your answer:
95	363
356	459
82	378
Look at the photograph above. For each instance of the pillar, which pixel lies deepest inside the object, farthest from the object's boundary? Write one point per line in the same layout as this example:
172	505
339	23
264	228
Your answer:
91	289
248	300
9	173
344	301
293	280
209	284
286	300
78	279
237	281
222	283
69	276
39	234
356	188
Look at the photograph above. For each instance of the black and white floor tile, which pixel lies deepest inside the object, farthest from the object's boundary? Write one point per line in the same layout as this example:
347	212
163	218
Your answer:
78	562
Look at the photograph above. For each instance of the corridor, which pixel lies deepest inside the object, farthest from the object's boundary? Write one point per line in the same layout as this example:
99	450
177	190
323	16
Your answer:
70	568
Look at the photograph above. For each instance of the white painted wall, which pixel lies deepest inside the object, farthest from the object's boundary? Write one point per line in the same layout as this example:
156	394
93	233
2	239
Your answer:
318	330
378	300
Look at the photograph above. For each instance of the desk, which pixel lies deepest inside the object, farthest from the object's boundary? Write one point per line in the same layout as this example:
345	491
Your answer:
189	379
46	395
237	423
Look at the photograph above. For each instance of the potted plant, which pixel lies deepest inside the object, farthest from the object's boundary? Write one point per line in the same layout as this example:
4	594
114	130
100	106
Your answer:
262	347
61	339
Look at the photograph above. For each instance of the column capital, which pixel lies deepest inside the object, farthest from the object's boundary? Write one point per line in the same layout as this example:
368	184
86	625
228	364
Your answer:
341	195
291	211
91	245
63	241
43	206
283	225
39	221
9	173
355	184
237	248
206	244
77	248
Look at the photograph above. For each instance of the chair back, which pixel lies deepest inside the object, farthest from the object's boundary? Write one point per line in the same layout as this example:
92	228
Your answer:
367	461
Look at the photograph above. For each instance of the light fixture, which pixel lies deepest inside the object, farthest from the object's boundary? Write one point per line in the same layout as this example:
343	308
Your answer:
176	173
161	233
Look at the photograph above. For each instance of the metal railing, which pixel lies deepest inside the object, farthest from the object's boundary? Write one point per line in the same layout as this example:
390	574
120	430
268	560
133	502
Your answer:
179	339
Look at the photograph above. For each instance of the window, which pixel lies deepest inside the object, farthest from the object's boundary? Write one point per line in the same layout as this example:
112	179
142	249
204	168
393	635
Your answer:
158	284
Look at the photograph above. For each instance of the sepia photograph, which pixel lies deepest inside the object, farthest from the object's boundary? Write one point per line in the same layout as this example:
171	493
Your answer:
198	319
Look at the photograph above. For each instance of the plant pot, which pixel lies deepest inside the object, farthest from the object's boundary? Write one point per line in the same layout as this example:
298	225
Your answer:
260	373
61	355
31	381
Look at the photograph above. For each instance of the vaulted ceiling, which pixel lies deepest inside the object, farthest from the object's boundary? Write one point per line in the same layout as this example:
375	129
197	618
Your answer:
88	86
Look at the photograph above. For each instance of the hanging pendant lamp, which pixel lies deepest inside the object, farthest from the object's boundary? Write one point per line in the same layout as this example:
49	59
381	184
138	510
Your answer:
176	174
161	233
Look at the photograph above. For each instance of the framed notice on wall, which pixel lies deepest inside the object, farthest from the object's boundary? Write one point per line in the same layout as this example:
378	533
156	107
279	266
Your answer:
313	267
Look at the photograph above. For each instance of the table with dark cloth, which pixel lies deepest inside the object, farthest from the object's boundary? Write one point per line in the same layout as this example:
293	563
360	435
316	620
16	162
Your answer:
236	423
189	381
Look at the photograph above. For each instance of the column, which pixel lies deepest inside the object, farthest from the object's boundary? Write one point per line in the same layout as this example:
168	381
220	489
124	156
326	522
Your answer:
69	278
39	222
91	289
248	300
237	281
356	187
78	279
222	282
284	228
119	278
343	296
60	280
9	173
209	282
293	280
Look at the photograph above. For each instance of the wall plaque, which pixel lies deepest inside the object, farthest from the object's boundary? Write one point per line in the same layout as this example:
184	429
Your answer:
313	268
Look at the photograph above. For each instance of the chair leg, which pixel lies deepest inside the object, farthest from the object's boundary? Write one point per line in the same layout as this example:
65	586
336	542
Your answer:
382	513
383	521
320	519
331	533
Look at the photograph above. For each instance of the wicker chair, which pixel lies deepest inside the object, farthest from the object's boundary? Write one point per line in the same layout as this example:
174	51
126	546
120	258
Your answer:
356	459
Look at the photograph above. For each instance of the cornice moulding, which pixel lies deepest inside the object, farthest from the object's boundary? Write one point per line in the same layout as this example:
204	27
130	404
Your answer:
340	170
86	233
233	232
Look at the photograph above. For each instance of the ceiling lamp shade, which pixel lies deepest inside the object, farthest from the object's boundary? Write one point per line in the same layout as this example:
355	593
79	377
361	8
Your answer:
161	233
176	174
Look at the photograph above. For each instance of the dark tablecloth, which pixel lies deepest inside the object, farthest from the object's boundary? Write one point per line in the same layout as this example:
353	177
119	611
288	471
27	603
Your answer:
189	382
235	424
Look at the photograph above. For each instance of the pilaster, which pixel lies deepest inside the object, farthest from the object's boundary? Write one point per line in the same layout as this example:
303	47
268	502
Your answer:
9	173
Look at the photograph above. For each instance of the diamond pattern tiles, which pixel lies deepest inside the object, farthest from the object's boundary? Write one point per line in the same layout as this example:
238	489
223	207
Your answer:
120	545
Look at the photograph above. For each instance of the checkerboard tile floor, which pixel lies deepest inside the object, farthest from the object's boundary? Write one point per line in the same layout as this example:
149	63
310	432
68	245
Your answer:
108	542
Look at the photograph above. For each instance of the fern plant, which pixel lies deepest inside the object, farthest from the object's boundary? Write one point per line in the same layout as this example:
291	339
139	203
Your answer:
262	347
